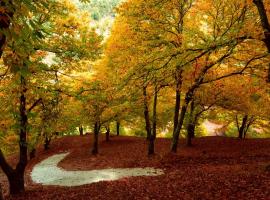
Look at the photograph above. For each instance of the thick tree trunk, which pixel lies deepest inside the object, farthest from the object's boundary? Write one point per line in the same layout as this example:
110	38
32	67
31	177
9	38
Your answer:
95	143
266	26
1	193
16	182
243	126
16	177
108	130
117	128
81	130
178	79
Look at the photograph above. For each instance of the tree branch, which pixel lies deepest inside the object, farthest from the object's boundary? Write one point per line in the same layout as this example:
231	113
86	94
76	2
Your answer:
34	105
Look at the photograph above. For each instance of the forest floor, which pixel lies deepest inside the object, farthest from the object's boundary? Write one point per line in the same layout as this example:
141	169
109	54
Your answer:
214	168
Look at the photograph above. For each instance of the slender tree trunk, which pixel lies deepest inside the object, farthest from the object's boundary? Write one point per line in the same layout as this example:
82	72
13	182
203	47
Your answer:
32	154
108	130
251	120
81	130
95	143
266	26
178	79
150	136
47	142
117	128
151	145
155	113
191	125
243	126
176	133
146	113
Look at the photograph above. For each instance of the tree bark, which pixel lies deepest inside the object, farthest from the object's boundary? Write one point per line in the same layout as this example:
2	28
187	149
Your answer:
16	182
251	120
146	113
243	126
178	79
95	143
1	193
117	128
81	130
191	125
266	27
17	179
32	154
176	133
16	176
153	134
108	130
154	129
47	142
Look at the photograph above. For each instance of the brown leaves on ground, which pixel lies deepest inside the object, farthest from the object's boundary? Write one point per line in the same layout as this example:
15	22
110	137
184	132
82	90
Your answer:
214	168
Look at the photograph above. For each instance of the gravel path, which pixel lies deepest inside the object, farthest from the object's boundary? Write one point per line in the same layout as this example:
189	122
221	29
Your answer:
48	173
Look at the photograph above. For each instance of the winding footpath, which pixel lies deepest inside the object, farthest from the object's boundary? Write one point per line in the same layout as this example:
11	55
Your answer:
48	173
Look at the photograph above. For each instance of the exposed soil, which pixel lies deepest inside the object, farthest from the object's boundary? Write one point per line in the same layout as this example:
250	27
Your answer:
214	168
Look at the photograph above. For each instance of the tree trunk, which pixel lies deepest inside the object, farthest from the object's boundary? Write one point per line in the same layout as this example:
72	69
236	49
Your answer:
176	133
243	126
151	145
47	143
155	113
266	27
191	133
251	120
146	114
81	130
1	193
16	182
153	134
32	154
118	128
178	79
16	177
191	125
108	130
95	143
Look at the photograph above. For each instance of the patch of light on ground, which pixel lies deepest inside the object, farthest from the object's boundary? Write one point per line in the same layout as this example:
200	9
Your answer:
48	173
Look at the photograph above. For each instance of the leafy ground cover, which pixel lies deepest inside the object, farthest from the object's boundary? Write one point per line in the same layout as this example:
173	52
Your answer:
214	168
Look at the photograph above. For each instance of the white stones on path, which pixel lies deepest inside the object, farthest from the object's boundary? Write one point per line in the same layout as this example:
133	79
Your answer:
48	173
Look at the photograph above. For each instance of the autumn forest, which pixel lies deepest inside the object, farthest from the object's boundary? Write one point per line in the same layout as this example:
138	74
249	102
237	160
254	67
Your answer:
134	99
